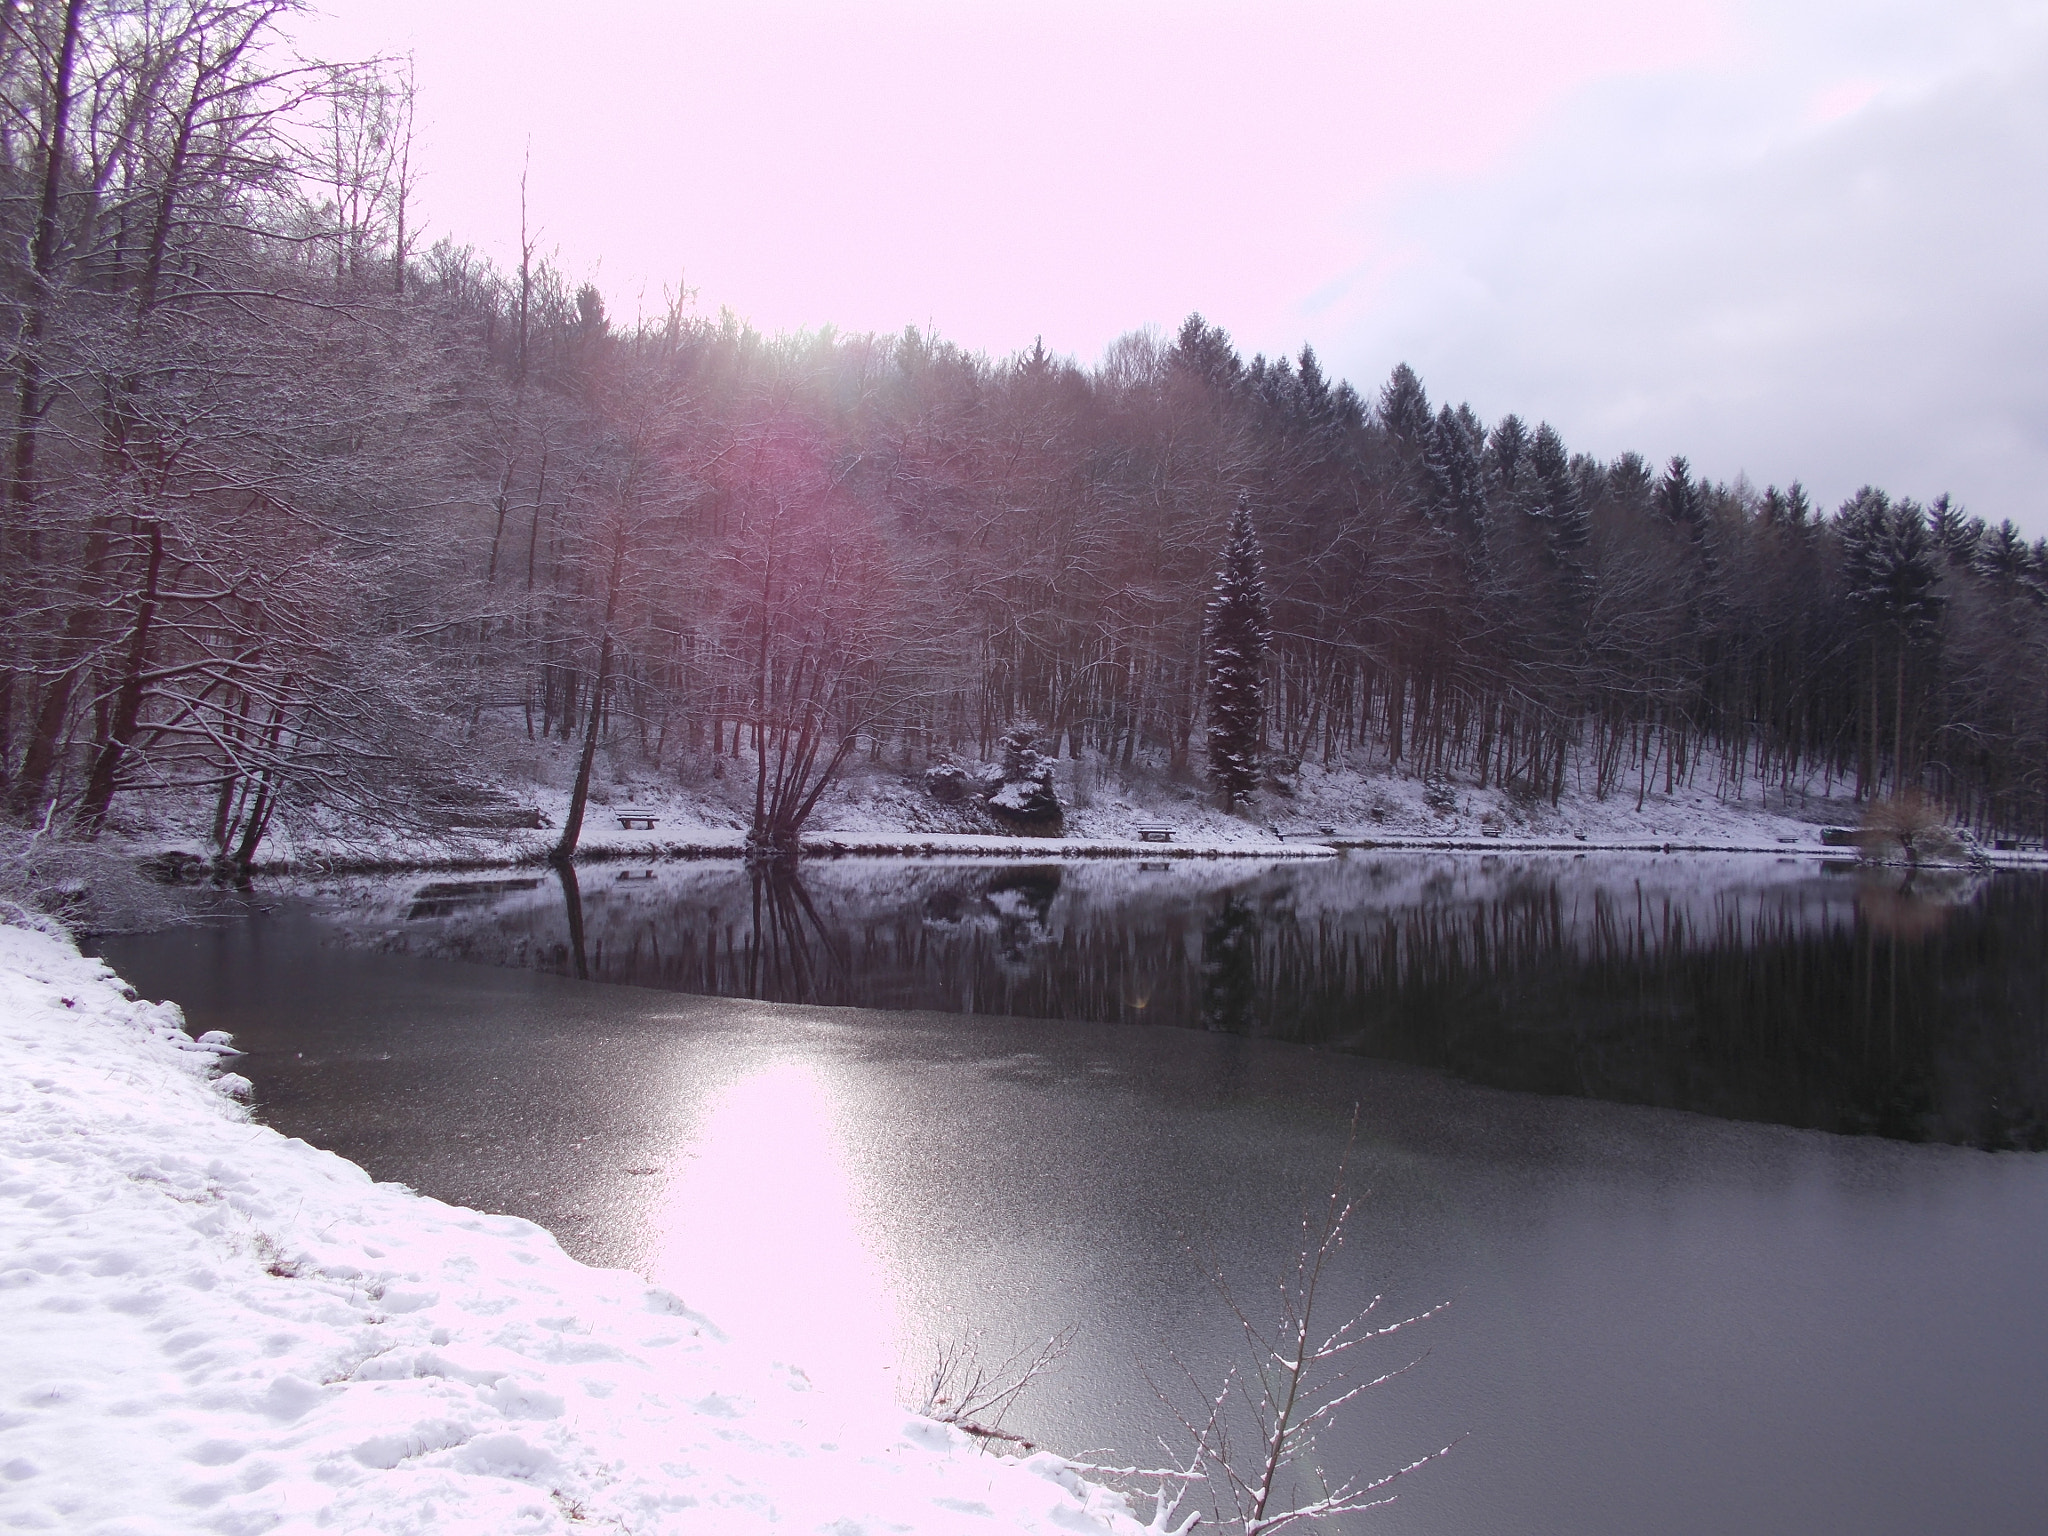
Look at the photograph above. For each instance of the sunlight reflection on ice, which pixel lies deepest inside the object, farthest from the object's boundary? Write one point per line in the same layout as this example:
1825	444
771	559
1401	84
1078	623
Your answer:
760	1233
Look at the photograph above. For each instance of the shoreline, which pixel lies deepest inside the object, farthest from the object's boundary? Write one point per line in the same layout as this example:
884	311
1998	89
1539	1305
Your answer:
916	845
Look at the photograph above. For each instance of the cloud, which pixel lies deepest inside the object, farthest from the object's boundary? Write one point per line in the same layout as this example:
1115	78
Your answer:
1822	262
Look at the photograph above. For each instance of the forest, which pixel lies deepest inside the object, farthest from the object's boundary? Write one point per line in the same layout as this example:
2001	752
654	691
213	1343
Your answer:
295	501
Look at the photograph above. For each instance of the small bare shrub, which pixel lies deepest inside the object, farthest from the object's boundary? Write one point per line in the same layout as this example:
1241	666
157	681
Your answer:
1911	828
1254	1435
974	1395
84	886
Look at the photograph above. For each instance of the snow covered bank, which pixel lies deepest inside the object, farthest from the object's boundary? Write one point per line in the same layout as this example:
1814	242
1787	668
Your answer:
213	1328
887	809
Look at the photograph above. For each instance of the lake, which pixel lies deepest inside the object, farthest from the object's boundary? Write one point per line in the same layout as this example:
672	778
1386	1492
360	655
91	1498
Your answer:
1724	1163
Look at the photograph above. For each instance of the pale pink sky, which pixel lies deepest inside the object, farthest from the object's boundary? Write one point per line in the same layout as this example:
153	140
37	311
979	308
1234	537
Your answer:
1000	171
1576	209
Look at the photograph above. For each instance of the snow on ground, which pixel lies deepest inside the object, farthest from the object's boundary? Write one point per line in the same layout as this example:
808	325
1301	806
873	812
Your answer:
217	1329
881	807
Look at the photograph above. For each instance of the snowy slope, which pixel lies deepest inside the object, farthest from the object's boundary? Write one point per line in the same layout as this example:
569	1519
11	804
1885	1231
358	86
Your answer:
212	1328
883	807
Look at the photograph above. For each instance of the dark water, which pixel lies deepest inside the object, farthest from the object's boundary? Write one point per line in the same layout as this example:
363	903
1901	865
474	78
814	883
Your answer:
1795	992
1661	1321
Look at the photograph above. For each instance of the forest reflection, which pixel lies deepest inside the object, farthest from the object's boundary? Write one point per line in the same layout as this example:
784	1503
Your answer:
1857	1001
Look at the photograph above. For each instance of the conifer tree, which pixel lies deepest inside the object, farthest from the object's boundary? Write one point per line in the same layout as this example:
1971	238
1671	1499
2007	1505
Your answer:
1507	463
1235	634
1559	506
1457	485
2002	555
1958	535
1404	409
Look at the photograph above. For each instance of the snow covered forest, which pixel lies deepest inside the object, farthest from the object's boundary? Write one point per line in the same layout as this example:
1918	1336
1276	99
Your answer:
295	501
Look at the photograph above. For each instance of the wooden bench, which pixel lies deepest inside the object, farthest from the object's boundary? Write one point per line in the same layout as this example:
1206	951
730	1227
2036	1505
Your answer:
1154	832
631	816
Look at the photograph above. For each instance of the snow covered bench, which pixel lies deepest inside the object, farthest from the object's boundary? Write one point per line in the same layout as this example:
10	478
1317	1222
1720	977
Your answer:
1154	832
631	816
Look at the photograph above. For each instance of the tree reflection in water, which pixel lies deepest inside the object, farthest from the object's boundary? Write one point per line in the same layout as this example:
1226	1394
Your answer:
1904	1005
791	956
1230	969
572	909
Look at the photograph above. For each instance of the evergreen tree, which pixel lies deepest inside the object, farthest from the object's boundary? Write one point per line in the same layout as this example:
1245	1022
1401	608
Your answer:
1891	568
1908	577
1456	482
1958	535
1678	498
2002	555
1273	385
1686	503
1404	409
1630	480
2037	571
1507	464
1864	525
1347	409
1312	389
1204	351
1558	504
1235	634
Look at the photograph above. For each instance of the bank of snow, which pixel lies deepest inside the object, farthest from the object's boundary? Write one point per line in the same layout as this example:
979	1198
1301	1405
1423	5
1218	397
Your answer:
211	1327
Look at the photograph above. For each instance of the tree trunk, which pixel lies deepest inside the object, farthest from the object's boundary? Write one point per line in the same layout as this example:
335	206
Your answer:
99	789
47	729
579	797
43	261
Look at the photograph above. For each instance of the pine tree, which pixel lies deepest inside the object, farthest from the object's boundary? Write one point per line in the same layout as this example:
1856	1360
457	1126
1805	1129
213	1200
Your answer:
2002	555
1558	504
1507	465
1204	351
1910	576
1891	570
1235	634
1456	486
2037	571
1312	389
1404	409
1959	536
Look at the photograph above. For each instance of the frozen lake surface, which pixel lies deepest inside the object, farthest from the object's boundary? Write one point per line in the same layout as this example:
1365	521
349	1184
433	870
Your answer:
1729	1318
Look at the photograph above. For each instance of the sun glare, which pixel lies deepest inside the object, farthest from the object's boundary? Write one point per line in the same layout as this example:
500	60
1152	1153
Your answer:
760	1231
